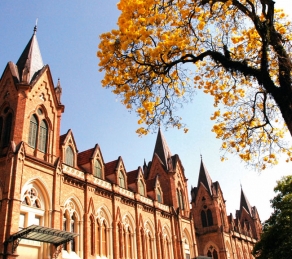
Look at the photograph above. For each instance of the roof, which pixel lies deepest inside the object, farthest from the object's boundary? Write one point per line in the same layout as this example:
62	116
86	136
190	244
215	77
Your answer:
132	176
30	60
245	203
84	157
205	178
162	149
110	167
43	234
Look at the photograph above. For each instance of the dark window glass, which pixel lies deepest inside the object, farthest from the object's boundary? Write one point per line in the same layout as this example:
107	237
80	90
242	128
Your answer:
159	198
215	254
203	218
7	130
97	169
33	128
210	218
69	159
43	136
122	180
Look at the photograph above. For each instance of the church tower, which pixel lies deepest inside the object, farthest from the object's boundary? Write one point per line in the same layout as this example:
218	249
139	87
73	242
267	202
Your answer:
167	171
220	235
209	213
30	105
30	115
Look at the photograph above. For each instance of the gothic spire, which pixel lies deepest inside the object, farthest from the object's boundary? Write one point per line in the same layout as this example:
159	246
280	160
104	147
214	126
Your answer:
30	61
244	203
205	178
162	149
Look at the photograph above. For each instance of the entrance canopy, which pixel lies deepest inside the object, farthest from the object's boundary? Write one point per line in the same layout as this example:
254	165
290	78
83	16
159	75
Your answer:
43	234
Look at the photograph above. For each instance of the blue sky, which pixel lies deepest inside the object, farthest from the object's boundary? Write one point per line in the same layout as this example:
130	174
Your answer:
68	36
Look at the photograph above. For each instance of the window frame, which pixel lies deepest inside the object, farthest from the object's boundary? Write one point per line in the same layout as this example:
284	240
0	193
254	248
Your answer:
122	183
97	171
69	156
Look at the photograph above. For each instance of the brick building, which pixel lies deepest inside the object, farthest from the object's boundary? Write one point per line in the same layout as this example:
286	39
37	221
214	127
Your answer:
57	202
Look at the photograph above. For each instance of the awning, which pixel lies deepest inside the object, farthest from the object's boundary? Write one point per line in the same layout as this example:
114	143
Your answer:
43	234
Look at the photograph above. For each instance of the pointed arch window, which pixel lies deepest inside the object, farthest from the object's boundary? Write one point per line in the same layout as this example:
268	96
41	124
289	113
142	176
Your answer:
120	235
209	218
122	182
70	224
69	159
180	199
103	239
149	246
1	126
38	133
212	253
141	188
159	195
203	218
33	129
92	233
97	169
43	135
72	229
7	130
98	243
129	244
33	207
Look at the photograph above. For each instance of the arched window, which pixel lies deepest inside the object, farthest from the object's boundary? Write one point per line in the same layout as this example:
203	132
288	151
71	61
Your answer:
166	248
178	198
120	235
103	240
215	254
210	218
72	229
70	224
7	130
141	187
159	195
129	246
212	253
203	218
181	200
122	180
149	246
92	233
43	136
38	133
97	169
32	207
69	159
98	243
33	130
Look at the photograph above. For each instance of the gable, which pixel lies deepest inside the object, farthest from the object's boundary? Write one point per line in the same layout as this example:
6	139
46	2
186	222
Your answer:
156	168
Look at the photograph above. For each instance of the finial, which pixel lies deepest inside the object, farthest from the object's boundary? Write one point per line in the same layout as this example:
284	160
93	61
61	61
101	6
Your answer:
240	185
201	156
36	26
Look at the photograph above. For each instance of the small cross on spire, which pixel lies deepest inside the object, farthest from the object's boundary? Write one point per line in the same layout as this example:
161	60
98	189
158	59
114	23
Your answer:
36	26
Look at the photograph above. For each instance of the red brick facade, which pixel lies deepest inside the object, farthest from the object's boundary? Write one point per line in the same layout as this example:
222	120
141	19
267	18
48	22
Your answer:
45	182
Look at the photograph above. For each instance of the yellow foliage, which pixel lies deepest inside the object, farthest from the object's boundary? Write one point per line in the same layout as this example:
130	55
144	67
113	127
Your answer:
146	62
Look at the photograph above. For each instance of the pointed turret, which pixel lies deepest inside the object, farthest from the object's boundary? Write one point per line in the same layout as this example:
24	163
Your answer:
162	149
244	203
205	178
30	61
